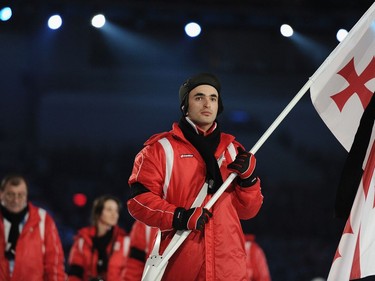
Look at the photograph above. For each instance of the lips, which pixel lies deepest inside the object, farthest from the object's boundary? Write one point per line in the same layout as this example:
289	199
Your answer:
206	113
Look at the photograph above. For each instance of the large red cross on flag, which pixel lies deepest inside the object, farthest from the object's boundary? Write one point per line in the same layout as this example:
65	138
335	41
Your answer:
342	92
346	81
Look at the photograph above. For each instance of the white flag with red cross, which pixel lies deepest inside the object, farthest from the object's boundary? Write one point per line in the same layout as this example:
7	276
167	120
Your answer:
342	92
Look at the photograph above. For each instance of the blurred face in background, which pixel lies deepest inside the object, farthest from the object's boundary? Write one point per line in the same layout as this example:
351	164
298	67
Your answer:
14	197
110	213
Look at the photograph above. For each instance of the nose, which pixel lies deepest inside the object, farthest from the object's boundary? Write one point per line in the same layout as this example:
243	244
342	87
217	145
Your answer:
17	199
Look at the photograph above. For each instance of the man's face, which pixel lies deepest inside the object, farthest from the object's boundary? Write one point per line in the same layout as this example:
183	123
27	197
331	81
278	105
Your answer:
203	106
14	198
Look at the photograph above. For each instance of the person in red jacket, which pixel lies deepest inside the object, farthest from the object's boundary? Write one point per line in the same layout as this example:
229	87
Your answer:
99	251
141	237
30	246
257	266
175	166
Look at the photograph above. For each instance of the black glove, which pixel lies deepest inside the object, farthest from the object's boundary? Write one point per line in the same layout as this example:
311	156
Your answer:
192	219
244	166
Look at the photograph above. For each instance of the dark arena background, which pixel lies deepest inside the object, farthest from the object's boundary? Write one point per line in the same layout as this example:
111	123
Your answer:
77	103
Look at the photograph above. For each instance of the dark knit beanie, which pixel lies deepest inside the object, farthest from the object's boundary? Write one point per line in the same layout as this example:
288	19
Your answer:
195	81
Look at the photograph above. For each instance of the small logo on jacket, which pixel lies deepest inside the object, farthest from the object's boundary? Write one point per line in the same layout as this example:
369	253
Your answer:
186	155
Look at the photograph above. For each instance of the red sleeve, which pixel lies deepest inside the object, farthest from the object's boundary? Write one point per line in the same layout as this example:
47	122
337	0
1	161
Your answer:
76	257
260	265
74	278
152	210
141	240
150	207
118	260
54	255
149	168
248	200
134	268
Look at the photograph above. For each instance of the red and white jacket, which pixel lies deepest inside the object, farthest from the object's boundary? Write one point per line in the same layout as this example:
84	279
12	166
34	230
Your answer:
174	172
39	254
141	238
82	255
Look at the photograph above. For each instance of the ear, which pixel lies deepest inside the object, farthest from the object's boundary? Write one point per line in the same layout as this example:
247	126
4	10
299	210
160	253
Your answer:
184	112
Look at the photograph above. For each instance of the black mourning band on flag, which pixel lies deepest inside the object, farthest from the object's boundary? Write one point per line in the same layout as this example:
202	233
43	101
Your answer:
352	171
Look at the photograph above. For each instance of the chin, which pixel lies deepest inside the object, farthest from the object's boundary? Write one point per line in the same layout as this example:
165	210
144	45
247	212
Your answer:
111	224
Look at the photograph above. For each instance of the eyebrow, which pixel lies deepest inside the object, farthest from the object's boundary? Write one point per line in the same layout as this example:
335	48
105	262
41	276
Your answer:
201	94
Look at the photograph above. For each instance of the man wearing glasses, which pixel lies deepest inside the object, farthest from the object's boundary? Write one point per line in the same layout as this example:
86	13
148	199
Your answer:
30	246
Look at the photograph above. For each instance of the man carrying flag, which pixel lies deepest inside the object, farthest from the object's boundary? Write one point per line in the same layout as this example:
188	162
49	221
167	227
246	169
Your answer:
343	94
176	169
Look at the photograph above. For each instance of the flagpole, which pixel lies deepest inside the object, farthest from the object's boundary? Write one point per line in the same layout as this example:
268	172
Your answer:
281	117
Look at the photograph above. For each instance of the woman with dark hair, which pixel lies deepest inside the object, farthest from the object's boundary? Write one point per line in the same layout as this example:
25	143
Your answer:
99	251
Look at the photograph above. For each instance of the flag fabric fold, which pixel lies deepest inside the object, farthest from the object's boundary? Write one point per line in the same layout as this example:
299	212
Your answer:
342	92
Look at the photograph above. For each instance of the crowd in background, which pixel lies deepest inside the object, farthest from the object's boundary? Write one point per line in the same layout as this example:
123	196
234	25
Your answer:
54	176
101	251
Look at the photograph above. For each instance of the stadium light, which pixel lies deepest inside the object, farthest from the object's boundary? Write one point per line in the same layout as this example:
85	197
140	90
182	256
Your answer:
192	29
54	22
98	21
341	34
286	30
5	13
